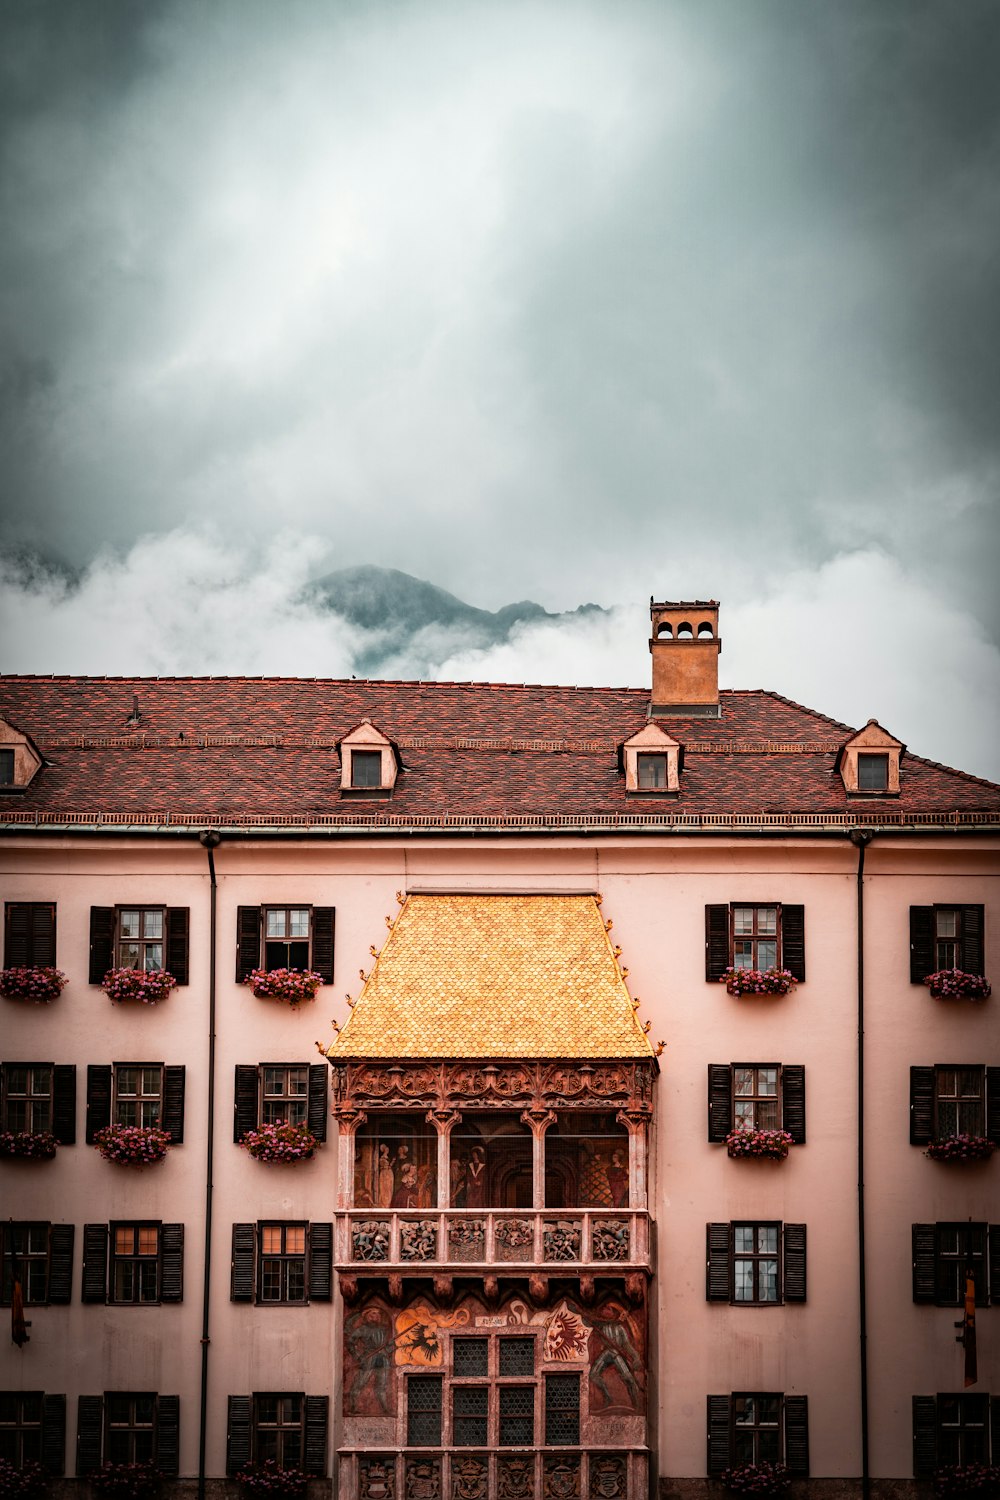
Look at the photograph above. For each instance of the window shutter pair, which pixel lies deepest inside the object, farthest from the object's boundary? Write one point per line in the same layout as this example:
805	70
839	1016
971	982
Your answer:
90	1432
922	936
720	1101
99	1087
718	944
926	1266
96	1244
796	1418
922	1095
248	941
319	1243
175	939
239	1447
719	1287
246	1100
29	934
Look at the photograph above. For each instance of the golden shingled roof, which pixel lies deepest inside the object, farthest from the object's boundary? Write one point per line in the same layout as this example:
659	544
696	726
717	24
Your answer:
495	976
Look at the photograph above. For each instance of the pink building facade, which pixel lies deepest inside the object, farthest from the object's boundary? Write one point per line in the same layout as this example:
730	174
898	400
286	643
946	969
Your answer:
367	1312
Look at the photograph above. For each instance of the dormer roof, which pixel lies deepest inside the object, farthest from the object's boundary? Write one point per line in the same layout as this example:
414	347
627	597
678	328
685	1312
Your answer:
21	756
875	741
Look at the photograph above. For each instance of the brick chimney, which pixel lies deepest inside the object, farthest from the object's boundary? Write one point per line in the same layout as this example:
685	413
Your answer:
685	648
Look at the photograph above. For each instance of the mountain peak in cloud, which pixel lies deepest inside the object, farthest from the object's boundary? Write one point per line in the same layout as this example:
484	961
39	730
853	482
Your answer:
408	615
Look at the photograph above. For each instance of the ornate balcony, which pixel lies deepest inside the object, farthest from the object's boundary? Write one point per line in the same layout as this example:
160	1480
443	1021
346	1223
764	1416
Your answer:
591	1240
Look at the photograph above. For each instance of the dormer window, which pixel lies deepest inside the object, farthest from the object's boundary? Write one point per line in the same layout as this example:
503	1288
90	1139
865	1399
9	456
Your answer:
873	773
369	762
19	758
652	762
366	768
869	762
651	772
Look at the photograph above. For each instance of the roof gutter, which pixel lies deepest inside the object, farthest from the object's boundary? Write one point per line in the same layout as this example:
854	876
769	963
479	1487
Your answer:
582	831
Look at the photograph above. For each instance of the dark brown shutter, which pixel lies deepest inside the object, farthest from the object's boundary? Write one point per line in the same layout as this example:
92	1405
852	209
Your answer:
54	1434
95	1263
794	1241
924	1262
793	940
61	1238
797	1435
89	1430
972	940
98	1098
993	1105
793	1101
238	1434
924	1436
171	1262
716	941
173	1102
178	921
317	1409
720	1101
717	1262
324	920
64	1103
244	1255
29	934
102	936
245	1100
320	1262
247	941
995	1427
317	1099
993	1257
168	1434
718	1434
921	943
921	1106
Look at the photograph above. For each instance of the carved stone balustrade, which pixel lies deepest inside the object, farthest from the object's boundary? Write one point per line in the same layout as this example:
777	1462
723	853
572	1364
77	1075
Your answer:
529	1473
591	1239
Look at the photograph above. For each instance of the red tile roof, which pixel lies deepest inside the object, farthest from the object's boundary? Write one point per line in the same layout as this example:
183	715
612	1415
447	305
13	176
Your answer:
262	750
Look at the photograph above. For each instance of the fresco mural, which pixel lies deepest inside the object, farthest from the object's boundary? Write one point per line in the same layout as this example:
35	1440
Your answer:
586	1163
395	1164
609	1339
490	1163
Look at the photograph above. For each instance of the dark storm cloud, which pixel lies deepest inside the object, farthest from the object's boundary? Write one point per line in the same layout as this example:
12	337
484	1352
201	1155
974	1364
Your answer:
529	299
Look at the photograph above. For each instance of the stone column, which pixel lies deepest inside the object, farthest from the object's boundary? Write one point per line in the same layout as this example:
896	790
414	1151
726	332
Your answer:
349	1120
539	1120
444	1122
636	1122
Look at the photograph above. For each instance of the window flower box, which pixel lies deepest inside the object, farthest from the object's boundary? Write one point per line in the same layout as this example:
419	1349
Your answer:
770	1145
148	985
40	984
27	1145
127	1481
291	986
759	981
269	1481
955	984
29	1482
280	1143
132	1145
967	1479
764	1479
960	1148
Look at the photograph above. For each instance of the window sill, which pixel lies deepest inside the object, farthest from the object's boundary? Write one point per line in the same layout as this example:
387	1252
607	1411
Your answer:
366	793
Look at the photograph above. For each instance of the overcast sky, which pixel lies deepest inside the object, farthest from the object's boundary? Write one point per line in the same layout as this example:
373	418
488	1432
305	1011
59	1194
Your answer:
564	301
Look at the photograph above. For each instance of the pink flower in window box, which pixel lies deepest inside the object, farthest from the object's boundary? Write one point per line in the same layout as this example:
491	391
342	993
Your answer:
967	1479
280	1143
759	981
289	985
955	984
148	985
960	1148
41	984
132	1145
127	1481
770	1145
764	1479
27	1145
269	1481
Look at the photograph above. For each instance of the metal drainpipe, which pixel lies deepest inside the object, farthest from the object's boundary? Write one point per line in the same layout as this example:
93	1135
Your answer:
210	841
861	838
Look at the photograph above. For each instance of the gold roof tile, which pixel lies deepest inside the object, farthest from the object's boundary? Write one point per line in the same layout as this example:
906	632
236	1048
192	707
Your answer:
495	976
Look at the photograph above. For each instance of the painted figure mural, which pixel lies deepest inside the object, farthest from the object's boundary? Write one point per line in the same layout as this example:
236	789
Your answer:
395	1164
